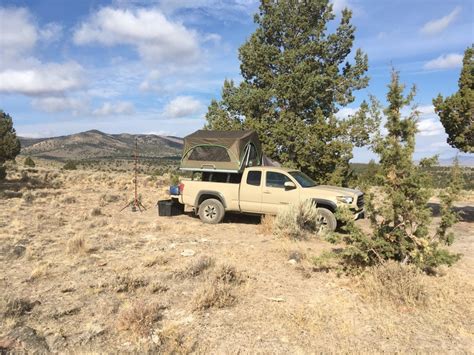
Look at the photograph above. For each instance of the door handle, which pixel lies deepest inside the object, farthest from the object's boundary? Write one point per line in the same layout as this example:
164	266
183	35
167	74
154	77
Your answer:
266	192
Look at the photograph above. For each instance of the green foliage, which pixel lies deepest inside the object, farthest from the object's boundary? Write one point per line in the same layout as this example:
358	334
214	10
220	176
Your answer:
447	197
296	75
400	225
70	165
457	111
29	162
9	143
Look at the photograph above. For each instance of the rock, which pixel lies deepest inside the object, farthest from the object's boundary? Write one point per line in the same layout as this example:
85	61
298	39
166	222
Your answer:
292	262
28	339
188	252
18	251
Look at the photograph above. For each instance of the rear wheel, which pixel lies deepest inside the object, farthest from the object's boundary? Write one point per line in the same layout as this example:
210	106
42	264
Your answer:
326	220
211	211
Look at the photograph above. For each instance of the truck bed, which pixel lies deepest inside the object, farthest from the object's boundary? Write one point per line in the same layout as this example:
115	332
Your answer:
229	190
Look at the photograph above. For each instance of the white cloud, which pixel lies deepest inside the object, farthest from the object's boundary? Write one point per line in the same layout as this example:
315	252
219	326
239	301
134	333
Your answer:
59	104
20	71
426	110
448	61
115	108
42	79
182	106
345	112
50	32
156	39
435	26
430	127
18	34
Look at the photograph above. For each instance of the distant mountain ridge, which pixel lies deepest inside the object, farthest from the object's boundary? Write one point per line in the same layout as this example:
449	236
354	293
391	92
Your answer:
95	144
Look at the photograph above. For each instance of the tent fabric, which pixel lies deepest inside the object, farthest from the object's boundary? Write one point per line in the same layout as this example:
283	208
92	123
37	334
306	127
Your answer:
266	161
221	150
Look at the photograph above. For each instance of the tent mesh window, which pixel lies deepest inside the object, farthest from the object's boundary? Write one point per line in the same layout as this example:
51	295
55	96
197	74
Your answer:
209	153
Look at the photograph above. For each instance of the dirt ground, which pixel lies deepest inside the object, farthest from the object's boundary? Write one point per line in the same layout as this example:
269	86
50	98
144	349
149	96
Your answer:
78	275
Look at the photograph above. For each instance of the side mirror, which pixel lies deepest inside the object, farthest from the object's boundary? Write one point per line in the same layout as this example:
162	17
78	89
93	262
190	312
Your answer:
289	185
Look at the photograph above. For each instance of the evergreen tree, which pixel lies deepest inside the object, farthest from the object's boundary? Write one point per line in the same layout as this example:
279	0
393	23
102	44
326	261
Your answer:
456	112
29	162
9	143
296	75
400	224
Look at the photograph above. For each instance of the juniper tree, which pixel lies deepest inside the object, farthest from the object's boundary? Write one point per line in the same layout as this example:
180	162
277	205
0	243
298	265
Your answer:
29	162
456	112
296	75
9	143
401	217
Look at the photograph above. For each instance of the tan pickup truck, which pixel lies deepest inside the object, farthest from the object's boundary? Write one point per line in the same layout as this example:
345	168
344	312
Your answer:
264	190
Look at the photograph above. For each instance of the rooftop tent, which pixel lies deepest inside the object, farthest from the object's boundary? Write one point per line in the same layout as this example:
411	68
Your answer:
226	151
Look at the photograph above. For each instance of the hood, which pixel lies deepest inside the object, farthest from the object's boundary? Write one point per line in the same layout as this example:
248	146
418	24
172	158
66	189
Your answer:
341	191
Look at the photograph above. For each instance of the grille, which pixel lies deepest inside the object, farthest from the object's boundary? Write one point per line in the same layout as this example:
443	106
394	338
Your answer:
360	201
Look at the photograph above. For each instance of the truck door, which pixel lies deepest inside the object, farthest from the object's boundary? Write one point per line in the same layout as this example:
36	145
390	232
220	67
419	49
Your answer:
275	196
251	192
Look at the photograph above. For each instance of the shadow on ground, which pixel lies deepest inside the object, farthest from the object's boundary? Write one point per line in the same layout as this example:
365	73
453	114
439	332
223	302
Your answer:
466	213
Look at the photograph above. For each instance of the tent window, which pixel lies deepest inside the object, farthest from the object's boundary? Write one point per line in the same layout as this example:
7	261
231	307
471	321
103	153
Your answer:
253	157
209	153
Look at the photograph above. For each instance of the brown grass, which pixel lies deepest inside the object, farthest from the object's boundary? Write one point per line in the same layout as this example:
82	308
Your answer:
195	268
394	283
213	294
139	317
77	245
266	225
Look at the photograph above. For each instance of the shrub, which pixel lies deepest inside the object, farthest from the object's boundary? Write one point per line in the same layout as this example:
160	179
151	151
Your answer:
196	268
29	162
139	317
401	285
297	221
70	165
77	245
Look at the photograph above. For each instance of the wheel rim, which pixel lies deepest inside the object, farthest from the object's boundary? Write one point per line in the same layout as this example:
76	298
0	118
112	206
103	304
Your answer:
210	212
323	223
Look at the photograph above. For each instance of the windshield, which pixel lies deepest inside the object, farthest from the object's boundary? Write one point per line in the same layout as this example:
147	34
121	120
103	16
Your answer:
303	179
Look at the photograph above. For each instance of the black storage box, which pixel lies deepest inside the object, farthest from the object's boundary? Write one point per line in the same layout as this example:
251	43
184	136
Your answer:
168	208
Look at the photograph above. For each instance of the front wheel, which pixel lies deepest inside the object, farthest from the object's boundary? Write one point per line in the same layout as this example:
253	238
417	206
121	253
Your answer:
211	211
326	220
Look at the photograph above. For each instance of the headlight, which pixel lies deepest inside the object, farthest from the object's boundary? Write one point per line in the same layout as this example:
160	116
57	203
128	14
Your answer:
345	199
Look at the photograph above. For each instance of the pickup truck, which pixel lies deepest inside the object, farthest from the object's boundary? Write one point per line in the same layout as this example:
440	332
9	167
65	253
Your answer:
264	190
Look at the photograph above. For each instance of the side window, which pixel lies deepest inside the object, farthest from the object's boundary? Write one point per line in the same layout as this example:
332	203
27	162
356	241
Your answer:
276	179
254	178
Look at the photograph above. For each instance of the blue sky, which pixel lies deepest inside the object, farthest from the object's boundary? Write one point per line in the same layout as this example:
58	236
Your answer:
153	66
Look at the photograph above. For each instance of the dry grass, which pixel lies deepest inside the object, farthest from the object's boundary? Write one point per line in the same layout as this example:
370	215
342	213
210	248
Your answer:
266	225
18	307
128	283
139	317
195	268
218	290
39	271
77	245
274	305
394	283
213	294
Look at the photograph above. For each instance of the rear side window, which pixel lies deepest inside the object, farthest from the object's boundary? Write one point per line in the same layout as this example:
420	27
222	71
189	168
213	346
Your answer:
254	178
276	179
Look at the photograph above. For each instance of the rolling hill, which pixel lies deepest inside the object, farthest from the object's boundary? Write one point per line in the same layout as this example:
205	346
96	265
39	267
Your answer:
92	145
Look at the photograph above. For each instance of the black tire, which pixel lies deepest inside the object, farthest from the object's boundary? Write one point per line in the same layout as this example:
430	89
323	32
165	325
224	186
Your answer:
211	211
327	220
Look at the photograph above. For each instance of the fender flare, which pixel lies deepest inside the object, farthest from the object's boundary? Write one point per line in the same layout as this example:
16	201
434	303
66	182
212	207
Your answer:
322	201
212	193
